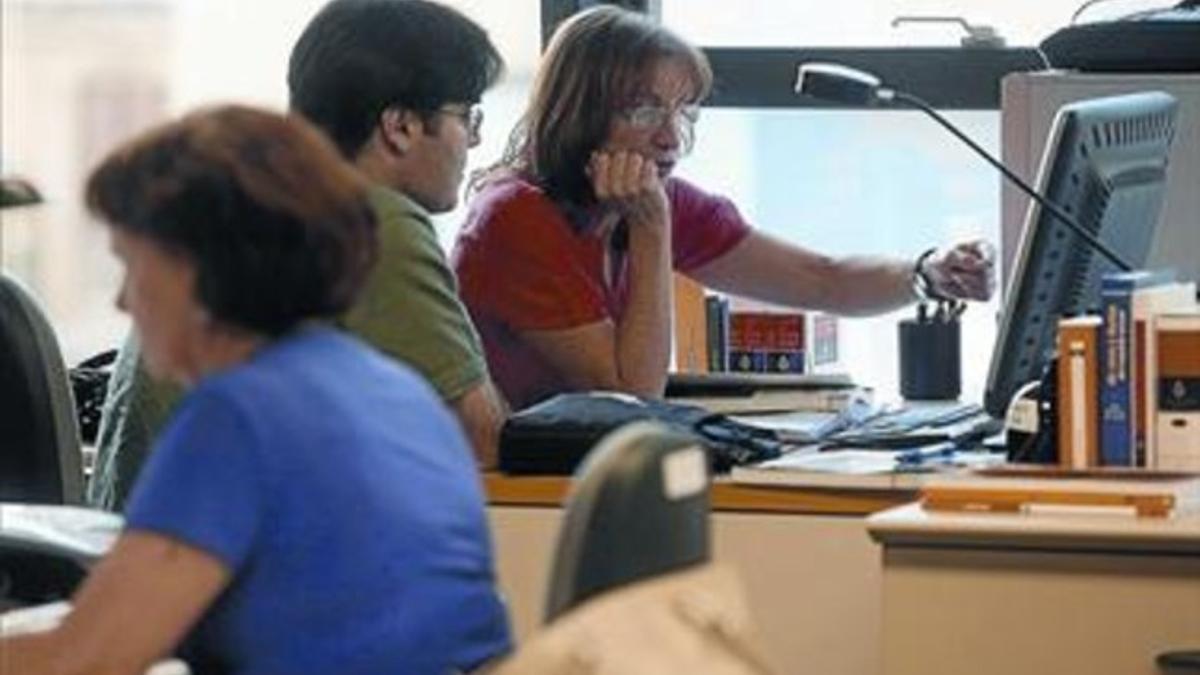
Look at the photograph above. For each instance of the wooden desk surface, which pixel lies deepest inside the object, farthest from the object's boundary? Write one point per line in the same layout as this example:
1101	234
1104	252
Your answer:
913	526
550	491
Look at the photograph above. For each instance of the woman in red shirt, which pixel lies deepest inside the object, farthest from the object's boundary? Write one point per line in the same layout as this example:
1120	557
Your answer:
565	261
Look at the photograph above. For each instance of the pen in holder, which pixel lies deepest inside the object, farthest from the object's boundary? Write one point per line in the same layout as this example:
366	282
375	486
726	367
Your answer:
931	353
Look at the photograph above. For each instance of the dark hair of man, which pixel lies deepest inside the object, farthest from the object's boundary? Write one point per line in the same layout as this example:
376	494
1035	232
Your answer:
276	223
596	65
357	58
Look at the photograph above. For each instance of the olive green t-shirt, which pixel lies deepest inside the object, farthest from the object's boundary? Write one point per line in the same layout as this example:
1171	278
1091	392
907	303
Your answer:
408	309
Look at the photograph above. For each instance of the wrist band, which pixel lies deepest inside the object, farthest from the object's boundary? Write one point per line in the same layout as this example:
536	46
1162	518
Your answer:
922	287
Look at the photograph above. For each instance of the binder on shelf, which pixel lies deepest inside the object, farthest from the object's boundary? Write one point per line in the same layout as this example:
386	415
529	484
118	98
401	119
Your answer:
716	323
822	332
1177	432
1179	296
1033	488
1118	397
1078	392
690	328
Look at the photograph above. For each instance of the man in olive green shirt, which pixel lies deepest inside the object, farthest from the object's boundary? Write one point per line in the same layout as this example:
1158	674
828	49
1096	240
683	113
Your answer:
400	101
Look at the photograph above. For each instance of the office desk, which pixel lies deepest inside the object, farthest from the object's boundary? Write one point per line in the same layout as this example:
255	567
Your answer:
811	572
997	593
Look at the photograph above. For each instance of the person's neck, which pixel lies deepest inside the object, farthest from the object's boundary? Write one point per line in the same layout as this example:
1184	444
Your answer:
220	349
375	168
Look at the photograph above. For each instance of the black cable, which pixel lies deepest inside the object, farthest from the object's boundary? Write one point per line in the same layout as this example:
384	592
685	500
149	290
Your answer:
1050	206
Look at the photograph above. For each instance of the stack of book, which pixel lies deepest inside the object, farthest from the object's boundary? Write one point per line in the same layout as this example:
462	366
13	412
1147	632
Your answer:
1114	368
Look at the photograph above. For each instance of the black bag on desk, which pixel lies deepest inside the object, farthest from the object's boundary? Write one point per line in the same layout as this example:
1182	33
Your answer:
553	437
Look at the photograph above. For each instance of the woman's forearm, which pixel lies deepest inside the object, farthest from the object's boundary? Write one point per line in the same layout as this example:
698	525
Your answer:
644	330
861	285
775	271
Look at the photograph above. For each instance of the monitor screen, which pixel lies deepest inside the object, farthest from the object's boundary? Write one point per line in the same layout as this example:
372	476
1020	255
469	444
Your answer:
1105	165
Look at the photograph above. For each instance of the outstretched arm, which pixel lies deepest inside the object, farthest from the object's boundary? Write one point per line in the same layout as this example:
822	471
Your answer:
775	271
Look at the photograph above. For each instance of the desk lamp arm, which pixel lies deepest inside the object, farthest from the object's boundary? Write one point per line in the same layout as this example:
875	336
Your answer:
841	84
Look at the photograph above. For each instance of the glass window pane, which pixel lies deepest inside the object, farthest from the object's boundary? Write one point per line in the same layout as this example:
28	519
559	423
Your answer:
859	182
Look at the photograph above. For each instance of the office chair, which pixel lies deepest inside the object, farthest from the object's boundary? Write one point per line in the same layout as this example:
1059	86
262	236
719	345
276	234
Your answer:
40	458
638	508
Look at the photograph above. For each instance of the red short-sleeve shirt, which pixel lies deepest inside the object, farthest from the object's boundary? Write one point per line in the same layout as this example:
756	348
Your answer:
522	266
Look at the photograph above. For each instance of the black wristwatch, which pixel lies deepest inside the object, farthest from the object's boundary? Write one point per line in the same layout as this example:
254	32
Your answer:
922	286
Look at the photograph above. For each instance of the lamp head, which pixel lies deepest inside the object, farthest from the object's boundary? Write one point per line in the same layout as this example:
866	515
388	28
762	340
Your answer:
17	192
836	83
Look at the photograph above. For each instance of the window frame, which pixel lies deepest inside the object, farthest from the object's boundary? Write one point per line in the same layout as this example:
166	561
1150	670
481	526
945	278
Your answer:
951	78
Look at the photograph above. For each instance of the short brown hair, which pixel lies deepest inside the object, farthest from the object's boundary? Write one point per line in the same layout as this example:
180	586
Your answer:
596	63
356	58
276	223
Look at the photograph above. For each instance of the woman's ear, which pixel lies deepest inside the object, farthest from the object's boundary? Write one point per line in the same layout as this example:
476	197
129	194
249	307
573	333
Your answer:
398	127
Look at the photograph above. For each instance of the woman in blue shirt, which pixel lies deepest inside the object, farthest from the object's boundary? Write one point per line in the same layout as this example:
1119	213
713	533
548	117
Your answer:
311	507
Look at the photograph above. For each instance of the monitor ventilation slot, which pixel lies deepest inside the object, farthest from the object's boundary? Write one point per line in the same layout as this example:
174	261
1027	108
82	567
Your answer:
1146	129
1078	279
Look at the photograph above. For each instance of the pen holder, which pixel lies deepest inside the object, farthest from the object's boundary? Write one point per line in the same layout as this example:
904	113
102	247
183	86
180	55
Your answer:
930	359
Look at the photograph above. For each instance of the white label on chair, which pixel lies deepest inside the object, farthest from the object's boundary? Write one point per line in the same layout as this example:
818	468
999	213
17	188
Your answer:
684	473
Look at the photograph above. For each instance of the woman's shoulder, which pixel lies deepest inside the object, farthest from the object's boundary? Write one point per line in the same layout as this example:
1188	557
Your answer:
511	201
685	194
310	358
509	192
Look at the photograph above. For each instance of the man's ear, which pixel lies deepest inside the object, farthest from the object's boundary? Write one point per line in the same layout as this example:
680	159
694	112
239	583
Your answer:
398	127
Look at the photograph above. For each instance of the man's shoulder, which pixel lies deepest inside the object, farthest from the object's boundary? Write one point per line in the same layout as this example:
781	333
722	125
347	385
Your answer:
405	228
393	207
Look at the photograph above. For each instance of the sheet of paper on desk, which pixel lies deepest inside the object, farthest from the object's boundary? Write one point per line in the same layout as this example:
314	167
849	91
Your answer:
872	461
855	468
851	462
800	426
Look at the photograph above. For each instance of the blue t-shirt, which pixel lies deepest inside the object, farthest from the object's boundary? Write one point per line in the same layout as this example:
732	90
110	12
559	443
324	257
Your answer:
343	497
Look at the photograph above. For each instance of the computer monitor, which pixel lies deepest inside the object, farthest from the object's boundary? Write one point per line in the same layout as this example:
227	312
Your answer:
1105	165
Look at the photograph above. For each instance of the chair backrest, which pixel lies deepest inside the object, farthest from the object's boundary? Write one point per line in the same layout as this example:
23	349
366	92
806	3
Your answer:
638	508
39	439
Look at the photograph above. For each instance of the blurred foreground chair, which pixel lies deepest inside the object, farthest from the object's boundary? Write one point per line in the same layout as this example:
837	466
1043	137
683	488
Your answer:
638	508
631	590
40	462
40	458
